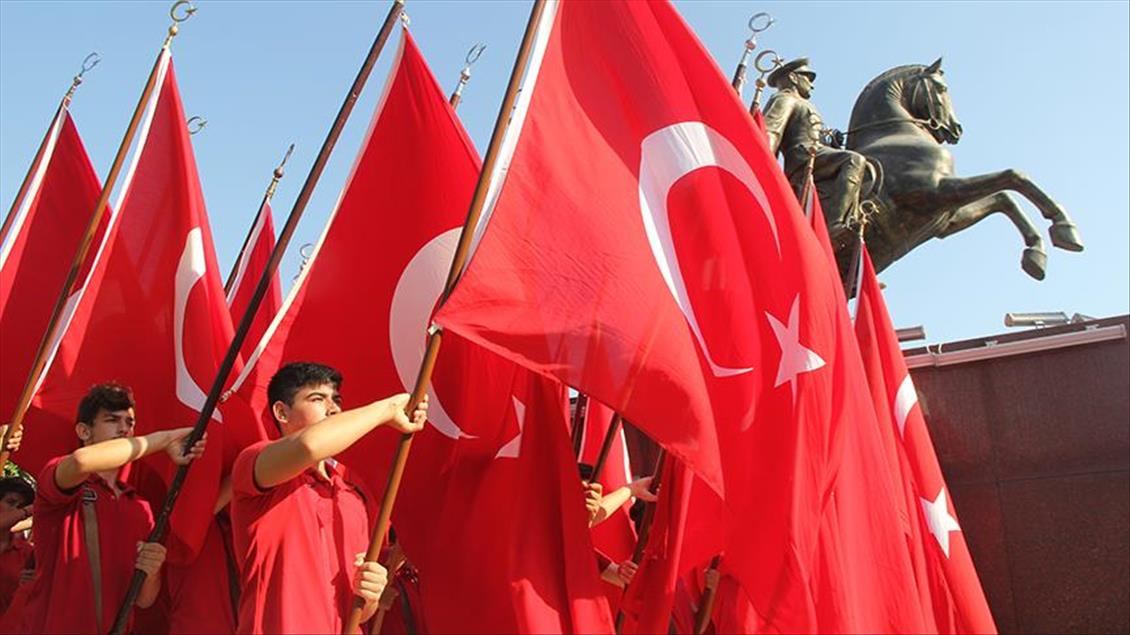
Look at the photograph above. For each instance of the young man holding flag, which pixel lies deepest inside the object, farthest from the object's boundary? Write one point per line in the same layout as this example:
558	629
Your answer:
300	525
90	526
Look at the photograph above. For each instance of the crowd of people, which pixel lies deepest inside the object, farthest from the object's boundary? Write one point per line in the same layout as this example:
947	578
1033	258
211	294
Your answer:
291	527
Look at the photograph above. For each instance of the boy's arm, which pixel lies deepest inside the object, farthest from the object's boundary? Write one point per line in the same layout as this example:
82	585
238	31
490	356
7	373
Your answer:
150	557
291	455
610	503
115	453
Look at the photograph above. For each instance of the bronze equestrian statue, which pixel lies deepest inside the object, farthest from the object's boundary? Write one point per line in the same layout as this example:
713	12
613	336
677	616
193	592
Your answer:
899	123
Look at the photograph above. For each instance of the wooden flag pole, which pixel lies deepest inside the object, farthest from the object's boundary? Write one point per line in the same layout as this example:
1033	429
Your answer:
269	270
455	99
606	445
645	528
90	62
706	608
267	196
435	334
15	422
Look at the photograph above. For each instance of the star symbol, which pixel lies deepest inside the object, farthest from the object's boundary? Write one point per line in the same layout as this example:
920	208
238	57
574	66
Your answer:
513	447
795	358
939	520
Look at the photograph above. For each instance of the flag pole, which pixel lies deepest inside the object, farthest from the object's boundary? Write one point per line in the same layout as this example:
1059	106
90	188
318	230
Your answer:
645	528
706	609
87	64
435	334
158	532
758	23
455	99
267	196
606	445
15	423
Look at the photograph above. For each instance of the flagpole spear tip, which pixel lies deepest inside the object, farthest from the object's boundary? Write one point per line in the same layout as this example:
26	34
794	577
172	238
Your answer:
279	170
88	63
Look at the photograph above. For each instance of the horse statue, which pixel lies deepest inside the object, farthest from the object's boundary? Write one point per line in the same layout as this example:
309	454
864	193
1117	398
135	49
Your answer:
899	123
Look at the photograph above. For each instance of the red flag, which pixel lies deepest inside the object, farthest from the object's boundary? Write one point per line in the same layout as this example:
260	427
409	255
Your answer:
759	123
948	579
35	259
641	244
245	277
614	537
362	304
152	316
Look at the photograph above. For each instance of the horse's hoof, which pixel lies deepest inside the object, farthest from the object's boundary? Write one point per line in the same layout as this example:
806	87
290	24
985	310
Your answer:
1065	235
1034	262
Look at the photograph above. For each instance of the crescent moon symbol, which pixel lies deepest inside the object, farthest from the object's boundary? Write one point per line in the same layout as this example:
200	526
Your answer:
420	284
190	270
666	156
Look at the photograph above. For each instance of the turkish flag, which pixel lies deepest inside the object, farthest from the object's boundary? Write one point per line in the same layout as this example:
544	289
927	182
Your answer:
152	317
37	255
362	304
947	579
245	277
641	244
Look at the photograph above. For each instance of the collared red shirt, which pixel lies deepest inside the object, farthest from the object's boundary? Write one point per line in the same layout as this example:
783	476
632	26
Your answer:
61	599
12	562
296	544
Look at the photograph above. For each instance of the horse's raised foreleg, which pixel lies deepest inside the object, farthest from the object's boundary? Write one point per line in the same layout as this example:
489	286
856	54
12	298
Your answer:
1035	259
1063	232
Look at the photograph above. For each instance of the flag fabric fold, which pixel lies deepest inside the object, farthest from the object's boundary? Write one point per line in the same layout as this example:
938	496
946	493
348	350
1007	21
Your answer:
39	250
947	580
245	277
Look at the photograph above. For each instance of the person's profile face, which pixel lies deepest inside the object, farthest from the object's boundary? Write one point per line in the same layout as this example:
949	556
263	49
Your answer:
107	424
311	404
11	501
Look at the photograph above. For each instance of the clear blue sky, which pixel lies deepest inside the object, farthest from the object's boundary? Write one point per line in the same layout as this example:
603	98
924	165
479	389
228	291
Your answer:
266	74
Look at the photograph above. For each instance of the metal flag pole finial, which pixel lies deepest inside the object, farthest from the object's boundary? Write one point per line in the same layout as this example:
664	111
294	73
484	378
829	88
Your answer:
189	10
88	63
763	70
473	55
196	124
758	23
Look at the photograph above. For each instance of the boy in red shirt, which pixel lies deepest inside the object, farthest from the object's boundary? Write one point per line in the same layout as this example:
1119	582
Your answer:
89	526
300	527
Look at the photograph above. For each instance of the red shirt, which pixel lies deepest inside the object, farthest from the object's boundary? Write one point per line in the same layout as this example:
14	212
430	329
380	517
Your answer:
12	562
200	594
61	599
296	544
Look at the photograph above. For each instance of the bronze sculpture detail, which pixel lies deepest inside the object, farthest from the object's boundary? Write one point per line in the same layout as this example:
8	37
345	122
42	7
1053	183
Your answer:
899	124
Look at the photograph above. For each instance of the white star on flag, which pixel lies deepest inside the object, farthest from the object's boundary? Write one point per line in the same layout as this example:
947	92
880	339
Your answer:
939	520
795	358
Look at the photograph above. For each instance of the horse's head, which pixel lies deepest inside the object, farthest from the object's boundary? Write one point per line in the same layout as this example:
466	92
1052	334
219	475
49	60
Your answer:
929	99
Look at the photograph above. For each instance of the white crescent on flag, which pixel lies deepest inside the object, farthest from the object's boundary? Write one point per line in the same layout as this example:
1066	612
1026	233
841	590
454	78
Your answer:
667	155
419	285
190	270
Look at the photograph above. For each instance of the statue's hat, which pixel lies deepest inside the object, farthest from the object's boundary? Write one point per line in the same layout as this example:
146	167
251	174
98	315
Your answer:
799	65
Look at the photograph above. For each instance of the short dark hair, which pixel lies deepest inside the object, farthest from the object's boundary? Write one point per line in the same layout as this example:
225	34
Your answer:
295	376
110	397
16	484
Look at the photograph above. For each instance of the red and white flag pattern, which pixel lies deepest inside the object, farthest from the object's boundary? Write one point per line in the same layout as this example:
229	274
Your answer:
947	578
38	252
245	277
641	244
152	316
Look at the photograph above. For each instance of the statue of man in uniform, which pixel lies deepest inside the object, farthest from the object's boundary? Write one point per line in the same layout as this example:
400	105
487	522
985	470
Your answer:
794	127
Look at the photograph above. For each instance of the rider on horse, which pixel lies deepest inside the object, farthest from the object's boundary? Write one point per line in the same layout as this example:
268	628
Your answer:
794	127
